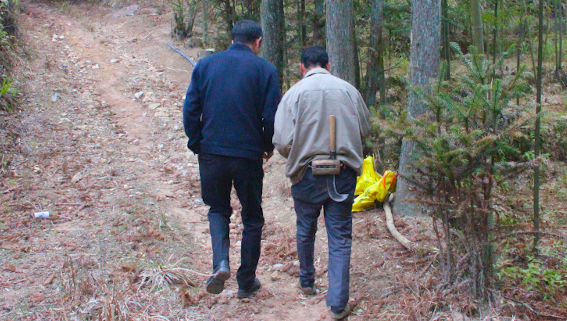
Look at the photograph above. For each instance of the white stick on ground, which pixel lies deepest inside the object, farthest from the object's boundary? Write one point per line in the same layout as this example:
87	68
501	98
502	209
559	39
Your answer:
392	228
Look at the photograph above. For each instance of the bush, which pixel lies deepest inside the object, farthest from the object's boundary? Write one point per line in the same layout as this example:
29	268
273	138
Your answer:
184	14
8	30
465	152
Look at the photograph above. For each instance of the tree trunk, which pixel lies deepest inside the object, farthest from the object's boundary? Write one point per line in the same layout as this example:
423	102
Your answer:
561	19
340	45
375	71
558	36
495	32
319	23
495	37
252	10
519	49
477	32
425	61
205	22
301	27
228	15
356	55
537	147
272	15
446	42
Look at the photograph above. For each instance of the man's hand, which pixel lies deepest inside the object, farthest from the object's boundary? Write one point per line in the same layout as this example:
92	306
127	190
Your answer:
268	155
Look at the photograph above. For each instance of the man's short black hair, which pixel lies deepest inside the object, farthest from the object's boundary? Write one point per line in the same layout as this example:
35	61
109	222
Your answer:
314	56
246	31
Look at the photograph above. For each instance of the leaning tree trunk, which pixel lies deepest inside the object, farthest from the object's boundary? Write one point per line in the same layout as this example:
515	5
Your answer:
477	32
340	45
319	23
375	71
425	62
273	28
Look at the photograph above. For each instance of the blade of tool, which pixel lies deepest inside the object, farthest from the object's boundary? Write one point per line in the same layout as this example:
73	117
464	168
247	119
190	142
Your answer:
331	185
332	190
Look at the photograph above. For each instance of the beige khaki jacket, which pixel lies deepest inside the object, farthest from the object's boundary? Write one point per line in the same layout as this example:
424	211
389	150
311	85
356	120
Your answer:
301	131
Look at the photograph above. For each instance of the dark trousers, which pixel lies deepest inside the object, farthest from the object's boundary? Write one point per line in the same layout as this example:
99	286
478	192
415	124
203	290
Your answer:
310	195
218	174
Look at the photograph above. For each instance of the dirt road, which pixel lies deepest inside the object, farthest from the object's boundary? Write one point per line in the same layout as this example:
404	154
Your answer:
99	143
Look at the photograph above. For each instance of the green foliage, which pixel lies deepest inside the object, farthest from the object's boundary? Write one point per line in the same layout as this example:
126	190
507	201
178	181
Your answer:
536	276
7	30
7	94
465	150
554	138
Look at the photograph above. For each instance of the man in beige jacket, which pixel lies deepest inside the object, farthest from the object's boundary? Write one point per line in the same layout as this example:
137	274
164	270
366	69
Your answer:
302	135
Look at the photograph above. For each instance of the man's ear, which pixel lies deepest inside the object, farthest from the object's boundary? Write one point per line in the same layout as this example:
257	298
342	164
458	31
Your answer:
328	67
258	42
302	69
232	42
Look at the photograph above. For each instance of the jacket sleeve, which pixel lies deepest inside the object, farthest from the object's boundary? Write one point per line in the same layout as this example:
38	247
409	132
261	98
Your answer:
272	99
285	125
192	110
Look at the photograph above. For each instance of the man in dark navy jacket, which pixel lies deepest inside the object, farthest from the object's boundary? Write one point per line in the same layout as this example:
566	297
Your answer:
229	118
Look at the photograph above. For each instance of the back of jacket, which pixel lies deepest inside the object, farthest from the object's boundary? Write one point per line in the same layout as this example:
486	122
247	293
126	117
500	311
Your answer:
302	122
230	104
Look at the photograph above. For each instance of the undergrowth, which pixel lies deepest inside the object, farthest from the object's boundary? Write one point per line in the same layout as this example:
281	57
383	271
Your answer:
8	31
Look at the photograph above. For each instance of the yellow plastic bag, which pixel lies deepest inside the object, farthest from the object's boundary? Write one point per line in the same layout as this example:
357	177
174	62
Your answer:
368	177
374	187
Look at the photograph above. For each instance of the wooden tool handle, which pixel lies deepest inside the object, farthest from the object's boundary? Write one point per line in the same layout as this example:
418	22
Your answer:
333	133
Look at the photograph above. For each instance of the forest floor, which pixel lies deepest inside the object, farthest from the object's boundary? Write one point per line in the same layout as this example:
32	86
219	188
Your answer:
127	236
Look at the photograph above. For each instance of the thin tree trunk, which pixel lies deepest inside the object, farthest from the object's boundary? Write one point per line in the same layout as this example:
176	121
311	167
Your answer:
273	25
205	22
495	37
477	32
340	45
356	55
425	61
301	27
228	15
561	19
375	70
521	31
558	36
446	42
537	147
319	23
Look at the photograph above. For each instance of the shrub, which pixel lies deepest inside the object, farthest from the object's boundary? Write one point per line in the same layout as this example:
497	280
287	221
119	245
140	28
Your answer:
465	151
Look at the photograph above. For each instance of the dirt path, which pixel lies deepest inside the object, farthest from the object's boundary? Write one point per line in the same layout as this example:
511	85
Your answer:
123	191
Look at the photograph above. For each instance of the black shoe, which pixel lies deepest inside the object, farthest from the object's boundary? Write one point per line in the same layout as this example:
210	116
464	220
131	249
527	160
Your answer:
215	284
242	293
340	315
308	290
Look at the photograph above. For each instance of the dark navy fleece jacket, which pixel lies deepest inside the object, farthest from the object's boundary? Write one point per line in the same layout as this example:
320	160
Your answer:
231	103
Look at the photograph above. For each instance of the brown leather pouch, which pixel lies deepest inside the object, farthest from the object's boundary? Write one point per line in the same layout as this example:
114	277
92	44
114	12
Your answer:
322	167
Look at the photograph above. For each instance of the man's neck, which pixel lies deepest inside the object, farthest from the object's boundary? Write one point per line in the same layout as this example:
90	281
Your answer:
307	70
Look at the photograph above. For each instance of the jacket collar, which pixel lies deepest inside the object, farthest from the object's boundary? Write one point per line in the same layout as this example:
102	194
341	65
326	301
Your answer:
239	46
317	70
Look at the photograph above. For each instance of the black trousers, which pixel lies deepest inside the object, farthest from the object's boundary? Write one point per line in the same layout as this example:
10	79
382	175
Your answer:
310	195
218	174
